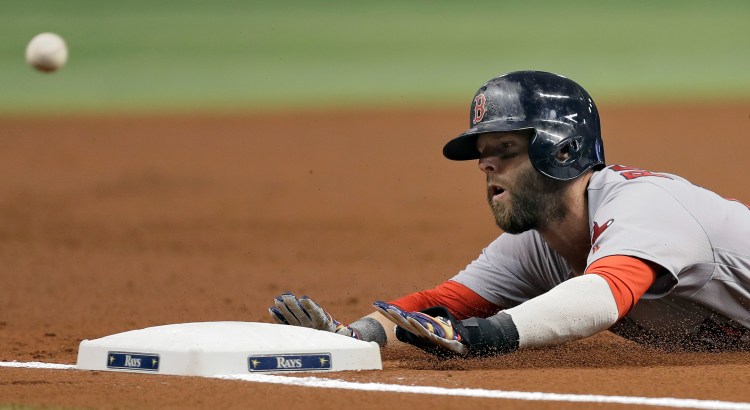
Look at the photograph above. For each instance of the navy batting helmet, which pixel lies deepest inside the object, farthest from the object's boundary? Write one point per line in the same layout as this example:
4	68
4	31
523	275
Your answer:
567	138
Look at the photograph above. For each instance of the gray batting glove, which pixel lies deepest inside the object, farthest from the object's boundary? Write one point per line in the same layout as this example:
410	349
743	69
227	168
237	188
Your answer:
289	310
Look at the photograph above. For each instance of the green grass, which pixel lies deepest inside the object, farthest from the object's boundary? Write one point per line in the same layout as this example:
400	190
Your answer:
172	55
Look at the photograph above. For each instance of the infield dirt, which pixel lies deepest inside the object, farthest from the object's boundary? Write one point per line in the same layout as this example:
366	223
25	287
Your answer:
113	223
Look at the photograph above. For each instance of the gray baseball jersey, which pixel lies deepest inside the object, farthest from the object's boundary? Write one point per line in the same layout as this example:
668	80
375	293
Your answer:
701	241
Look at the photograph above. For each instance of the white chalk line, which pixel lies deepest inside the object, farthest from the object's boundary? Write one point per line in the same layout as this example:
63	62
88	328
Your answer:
493	394
443	391
38	365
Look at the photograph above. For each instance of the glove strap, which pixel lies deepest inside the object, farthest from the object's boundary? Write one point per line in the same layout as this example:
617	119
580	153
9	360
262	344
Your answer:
369	330
485	337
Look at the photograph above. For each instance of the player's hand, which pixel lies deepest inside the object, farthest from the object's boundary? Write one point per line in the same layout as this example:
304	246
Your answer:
289	310
435	334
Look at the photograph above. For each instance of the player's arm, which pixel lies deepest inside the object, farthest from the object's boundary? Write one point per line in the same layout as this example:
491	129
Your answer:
585	305
459	299
575	309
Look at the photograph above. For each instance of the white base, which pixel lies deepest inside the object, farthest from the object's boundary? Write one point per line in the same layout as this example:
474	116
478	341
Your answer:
220	348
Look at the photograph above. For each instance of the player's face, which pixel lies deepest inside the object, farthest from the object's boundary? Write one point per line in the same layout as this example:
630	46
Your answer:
520	197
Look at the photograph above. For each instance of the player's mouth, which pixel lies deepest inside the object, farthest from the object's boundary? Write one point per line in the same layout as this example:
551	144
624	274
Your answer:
495	192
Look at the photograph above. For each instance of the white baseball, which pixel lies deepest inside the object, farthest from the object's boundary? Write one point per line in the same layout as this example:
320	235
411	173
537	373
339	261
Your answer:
47	52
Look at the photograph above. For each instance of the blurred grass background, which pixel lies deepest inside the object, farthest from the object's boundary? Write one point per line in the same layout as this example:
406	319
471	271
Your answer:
140	55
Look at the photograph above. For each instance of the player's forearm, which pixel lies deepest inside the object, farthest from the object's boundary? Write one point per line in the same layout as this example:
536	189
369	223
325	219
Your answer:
577	308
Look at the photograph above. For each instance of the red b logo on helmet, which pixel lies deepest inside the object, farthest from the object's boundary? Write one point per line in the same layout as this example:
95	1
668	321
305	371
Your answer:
479	108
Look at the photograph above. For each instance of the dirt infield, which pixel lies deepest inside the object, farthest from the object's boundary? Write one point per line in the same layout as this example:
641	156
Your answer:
110	224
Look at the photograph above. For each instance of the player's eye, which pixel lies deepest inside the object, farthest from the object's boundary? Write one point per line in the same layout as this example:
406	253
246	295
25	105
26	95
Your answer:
507	150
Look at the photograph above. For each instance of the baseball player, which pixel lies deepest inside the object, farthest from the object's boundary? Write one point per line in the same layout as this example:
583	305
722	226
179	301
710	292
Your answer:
586	247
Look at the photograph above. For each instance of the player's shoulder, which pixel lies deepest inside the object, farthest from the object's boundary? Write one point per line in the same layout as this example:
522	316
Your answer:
634	187
627	176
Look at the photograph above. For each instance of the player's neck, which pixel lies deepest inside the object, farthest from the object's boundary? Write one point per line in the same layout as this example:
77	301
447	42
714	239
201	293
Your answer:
570	236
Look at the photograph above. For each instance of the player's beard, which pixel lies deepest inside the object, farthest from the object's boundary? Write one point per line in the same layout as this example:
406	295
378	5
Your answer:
534	201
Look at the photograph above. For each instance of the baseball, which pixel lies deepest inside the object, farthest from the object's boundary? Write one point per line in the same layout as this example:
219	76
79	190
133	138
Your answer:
47	52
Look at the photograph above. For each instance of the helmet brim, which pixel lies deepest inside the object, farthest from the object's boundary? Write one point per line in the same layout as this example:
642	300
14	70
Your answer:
464	147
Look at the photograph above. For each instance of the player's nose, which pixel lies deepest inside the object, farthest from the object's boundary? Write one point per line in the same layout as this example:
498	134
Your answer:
489	163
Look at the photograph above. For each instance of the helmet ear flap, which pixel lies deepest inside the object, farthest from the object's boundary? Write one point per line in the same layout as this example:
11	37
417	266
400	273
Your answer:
566	152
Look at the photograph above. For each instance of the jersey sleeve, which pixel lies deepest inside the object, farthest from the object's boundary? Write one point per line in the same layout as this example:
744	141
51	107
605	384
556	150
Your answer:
628	278
643	221
514	269
457	298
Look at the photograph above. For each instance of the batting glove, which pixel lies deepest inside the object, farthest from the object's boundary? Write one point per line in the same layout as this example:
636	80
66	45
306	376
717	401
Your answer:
434	334
289	310
437	331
